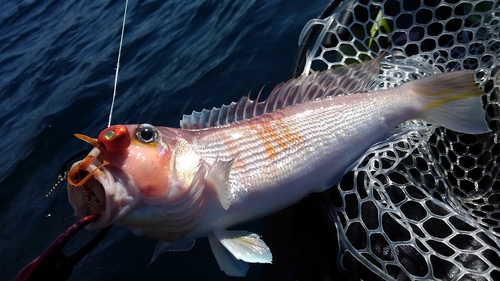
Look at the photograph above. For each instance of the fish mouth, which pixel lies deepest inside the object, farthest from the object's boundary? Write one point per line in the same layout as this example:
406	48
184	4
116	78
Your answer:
91	188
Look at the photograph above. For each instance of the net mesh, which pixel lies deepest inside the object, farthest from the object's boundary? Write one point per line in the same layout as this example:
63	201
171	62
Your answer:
424	204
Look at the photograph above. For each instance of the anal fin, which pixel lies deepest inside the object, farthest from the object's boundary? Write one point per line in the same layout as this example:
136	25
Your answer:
227	262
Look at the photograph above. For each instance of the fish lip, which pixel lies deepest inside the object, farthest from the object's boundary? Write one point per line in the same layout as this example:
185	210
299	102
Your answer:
102	187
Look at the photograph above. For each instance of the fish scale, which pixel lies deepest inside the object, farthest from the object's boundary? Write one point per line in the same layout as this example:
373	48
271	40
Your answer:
285	145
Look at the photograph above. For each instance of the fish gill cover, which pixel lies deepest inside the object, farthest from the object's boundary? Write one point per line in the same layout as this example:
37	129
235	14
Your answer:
425	204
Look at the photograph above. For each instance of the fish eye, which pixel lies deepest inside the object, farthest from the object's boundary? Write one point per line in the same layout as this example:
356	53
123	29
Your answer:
146	133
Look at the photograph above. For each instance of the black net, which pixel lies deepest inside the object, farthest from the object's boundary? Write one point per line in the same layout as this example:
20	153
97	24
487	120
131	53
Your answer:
424	204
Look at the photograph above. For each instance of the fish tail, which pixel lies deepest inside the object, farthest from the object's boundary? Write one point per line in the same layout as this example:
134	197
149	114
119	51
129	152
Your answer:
452	100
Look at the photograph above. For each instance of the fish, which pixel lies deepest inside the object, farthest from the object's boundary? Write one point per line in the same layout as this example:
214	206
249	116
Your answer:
248	159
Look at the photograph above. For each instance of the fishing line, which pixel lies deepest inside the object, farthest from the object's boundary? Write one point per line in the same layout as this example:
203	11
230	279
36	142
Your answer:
118	63
63	174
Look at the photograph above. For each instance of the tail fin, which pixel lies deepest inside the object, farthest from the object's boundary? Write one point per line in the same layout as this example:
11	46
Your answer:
453	100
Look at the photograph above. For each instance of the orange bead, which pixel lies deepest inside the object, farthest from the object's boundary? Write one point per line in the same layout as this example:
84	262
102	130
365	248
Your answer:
114	139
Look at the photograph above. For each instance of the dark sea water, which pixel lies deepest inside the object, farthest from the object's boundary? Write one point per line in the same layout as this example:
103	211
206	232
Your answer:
57	66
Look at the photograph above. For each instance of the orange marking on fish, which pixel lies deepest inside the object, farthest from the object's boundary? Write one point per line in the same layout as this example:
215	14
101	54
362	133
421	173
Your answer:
267	136
286	136
276	136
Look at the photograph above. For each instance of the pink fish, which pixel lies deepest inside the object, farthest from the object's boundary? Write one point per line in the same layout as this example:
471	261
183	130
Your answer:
248	159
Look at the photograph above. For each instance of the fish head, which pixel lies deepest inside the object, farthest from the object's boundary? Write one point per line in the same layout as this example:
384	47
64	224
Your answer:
128	164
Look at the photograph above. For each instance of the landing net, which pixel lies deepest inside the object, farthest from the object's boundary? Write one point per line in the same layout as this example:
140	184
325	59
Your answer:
424	204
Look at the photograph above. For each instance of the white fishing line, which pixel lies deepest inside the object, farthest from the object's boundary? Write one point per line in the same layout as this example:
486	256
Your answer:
118	64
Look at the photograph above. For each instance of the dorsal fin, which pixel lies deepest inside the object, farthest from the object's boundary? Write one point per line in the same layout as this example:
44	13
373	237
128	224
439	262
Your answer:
332	82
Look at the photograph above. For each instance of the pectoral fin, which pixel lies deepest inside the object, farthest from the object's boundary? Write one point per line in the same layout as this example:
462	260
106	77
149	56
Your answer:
245	245
227	262
238	248
177	246
218	178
